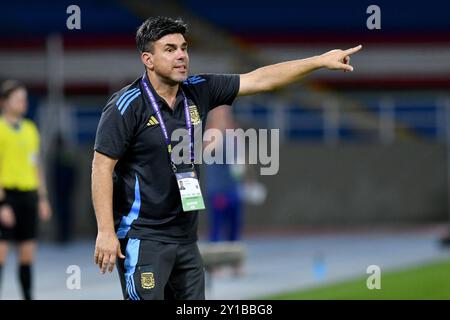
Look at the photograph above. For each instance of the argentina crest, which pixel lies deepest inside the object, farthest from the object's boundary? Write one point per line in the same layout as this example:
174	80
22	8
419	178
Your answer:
147	280
195	116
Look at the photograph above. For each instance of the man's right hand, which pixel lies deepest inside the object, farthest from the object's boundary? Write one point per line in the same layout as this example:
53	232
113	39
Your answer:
107	249
7	217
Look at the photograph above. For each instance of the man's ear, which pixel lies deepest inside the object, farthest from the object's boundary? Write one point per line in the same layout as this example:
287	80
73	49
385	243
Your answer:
147	60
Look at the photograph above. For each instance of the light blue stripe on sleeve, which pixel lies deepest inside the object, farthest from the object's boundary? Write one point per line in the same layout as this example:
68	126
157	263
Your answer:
126	104
127	98
126	94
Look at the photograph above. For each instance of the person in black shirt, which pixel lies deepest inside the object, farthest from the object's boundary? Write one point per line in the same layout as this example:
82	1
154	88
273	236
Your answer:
145	222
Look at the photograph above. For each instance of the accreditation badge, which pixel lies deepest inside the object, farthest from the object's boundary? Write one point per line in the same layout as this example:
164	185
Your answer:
191	195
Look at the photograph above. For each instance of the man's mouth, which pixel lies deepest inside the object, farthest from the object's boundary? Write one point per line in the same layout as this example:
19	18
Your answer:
181	68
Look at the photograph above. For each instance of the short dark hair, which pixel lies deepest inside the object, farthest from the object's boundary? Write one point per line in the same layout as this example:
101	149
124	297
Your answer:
9	86
155	28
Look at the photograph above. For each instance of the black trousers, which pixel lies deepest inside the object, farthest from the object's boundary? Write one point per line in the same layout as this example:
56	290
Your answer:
154	270
25	207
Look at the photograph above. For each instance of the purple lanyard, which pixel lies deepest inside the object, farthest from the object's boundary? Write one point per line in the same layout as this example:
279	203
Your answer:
187	116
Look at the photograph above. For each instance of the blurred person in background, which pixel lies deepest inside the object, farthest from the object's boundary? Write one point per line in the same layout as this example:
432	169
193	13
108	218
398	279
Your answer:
229	184
63	175
223	183
23	192
138	205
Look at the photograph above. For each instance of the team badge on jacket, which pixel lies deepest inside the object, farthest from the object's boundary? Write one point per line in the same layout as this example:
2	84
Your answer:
195	116
147	280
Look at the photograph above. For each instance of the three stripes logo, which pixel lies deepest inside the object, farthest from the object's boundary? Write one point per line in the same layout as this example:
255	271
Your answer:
152	121
194	80
126	98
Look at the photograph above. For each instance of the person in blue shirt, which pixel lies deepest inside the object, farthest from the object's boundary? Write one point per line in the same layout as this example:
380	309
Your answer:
224	183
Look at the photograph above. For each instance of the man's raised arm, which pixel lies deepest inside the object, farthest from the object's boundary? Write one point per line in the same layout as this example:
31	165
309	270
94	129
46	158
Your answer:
281	74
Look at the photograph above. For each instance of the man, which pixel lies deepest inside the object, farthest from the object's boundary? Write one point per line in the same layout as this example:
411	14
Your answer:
23	193
143	219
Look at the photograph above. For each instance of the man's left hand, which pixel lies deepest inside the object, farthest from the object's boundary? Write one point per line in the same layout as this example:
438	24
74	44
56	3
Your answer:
338	59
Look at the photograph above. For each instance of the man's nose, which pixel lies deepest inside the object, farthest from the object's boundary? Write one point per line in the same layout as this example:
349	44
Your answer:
181	55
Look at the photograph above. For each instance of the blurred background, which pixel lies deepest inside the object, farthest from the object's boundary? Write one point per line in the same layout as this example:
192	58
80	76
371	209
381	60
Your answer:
364	156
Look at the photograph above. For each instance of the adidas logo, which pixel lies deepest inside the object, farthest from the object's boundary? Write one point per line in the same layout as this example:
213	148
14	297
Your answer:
152	121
